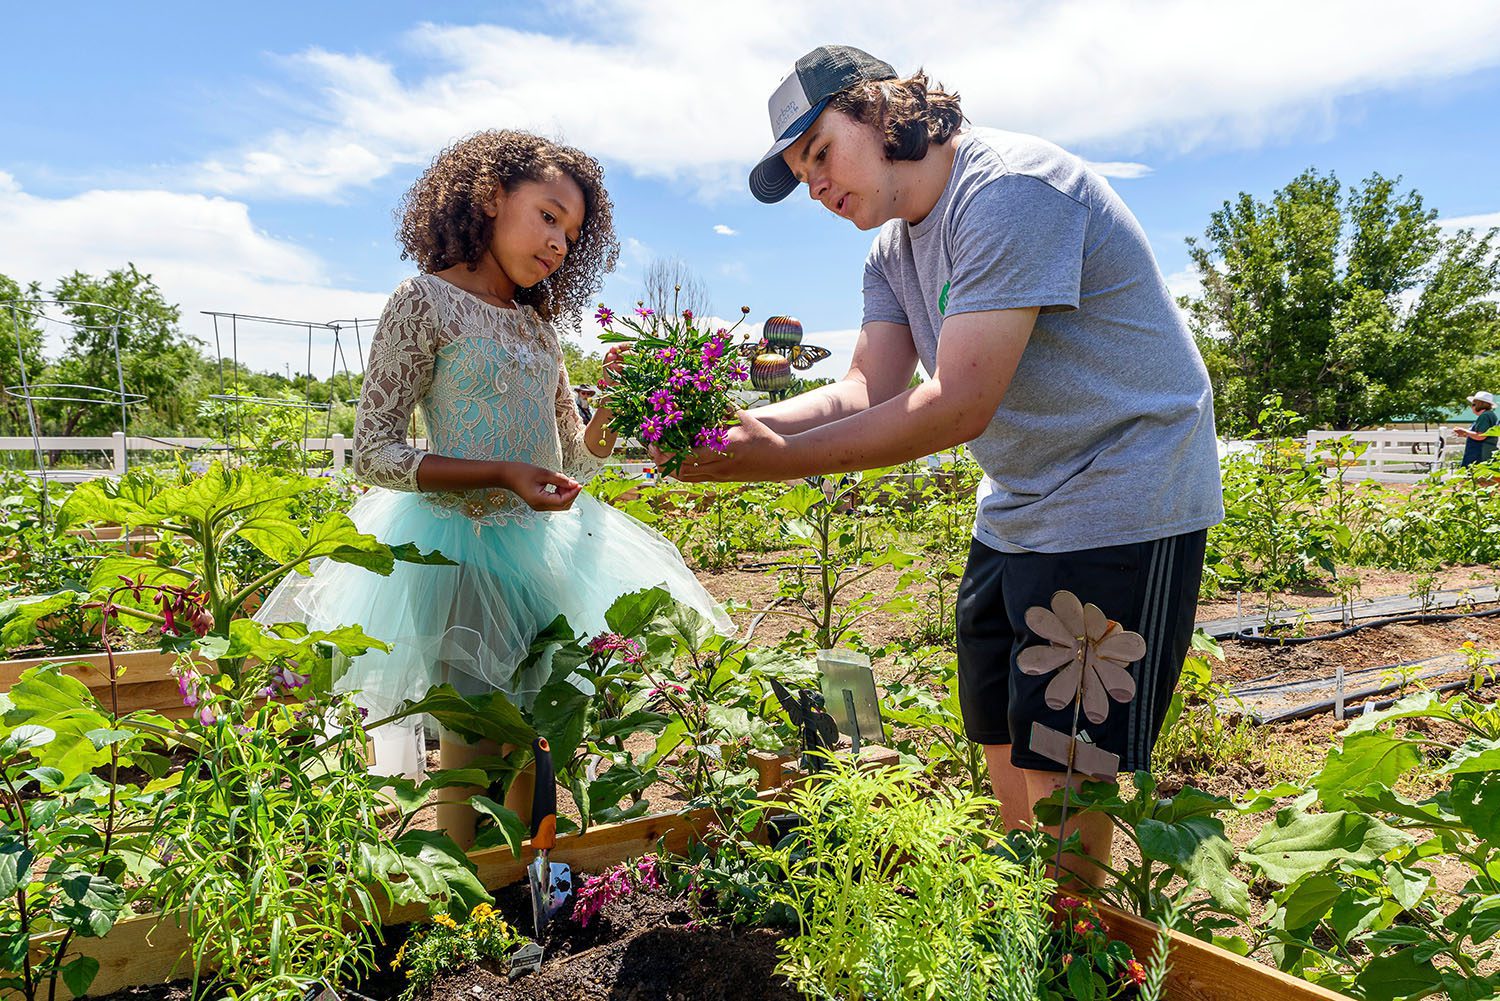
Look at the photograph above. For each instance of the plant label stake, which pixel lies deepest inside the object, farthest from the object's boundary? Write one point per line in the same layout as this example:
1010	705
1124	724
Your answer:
849	691
526	959
551	883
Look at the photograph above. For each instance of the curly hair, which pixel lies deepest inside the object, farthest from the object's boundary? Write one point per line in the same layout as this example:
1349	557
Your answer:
910	113
443	222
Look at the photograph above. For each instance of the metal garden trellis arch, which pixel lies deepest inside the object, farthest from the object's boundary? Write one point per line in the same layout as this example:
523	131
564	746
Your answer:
28	390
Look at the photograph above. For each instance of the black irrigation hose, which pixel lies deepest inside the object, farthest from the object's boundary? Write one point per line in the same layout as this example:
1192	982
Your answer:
1327	705
1251	636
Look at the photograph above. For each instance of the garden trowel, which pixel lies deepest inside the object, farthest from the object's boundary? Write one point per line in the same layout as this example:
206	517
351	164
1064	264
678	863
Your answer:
551	882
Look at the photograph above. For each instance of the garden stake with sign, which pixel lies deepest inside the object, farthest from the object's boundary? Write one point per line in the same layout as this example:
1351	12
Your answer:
1090	653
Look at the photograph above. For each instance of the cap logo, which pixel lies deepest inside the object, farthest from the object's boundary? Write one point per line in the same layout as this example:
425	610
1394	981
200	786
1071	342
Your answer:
788	104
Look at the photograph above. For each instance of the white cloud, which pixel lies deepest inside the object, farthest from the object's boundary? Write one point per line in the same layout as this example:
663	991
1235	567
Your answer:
724	230
1170	75
1481	222
203	252
1123	169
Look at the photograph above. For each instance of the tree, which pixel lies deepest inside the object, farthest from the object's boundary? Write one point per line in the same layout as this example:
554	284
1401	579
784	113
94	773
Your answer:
157	360
1351	304
20	346
585	368
670	286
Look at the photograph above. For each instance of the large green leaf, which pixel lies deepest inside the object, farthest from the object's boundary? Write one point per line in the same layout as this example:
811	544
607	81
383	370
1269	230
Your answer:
79	972
491	716
1308	899
632	613
1297	843
439	869
19	616
15	863
558	715
1370	758
1476	800
509	828
109	570
1420	704
87	902
1197	849
292	641
1474	756
1399	976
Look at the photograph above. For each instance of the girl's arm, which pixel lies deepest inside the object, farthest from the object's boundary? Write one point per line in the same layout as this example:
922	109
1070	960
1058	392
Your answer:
398	374
584	449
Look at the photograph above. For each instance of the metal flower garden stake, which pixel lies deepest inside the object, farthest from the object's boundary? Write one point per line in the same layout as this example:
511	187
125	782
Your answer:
1090	653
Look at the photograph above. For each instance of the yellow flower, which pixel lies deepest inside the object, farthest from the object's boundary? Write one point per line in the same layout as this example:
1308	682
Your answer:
445	921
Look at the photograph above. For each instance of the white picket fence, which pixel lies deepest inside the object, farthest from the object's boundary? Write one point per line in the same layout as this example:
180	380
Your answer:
1392	456
115	449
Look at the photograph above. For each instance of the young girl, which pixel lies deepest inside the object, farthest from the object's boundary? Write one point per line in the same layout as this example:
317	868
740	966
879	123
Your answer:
512	233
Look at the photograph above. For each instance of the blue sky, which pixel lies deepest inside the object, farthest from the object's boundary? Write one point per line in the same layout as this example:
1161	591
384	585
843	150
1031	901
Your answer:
251	157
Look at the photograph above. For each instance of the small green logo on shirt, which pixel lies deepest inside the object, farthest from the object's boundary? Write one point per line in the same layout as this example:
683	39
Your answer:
943	300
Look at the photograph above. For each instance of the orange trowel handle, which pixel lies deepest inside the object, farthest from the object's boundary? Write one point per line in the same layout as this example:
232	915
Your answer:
544	798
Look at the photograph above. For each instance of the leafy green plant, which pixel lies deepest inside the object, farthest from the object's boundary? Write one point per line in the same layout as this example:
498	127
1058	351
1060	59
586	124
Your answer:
901	891
1275	533
69	835
1171	838
1084	963
1359	906
1197	734
837	552
924	703
199	519
271	844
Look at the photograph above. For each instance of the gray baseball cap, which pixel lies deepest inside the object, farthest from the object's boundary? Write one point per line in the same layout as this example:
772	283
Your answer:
799	101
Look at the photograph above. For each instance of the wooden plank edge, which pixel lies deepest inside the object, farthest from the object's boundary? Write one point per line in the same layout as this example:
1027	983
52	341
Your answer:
150	949
1202	971
137	667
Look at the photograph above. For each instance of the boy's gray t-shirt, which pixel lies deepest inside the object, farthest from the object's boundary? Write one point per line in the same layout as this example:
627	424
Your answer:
1106	434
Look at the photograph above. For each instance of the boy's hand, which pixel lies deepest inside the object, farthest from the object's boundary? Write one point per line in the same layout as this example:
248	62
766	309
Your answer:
541	489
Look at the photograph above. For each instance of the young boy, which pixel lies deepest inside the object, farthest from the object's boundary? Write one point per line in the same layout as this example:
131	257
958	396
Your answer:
1029	293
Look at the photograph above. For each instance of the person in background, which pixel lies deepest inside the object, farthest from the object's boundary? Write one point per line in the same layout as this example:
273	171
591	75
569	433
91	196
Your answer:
1480	445
583	396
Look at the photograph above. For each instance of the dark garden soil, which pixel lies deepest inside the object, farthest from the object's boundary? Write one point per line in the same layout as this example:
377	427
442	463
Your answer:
642	948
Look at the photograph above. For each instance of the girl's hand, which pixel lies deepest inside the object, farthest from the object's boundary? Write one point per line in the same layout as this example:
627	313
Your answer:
612	365
540	488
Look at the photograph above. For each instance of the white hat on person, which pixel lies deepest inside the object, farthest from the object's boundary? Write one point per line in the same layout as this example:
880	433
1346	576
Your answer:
1483	397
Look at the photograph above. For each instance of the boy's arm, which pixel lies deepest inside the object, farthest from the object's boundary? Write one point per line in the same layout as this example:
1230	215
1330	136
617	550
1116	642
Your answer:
883	364
978	354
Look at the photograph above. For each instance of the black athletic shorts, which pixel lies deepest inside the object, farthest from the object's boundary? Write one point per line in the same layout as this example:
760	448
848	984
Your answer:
1149	587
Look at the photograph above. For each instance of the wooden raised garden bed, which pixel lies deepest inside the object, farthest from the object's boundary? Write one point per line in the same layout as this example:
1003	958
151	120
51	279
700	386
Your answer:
145	678
148	950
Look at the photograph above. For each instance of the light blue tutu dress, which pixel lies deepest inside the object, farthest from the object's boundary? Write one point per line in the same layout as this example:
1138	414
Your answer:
491	385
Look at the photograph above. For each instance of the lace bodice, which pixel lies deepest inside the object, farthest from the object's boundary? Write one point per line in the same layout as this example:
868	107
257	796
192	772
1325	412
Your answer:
491	384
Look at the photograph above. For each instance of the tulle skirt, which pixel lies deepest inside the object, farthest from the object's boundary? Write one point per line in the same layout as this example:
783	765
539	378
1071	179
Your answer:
472	625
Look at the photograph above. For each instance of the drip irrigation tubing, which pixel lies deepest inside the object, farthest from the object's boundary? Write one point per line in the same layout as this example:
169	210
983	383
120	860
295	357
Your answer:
1328	705
1252	635
1245	697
